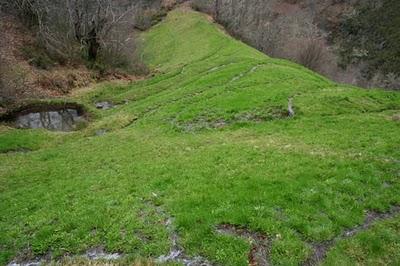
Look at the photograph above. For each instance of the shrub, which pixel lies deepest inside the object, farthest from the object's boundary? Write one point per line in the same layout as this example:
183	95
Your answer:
12	81
37	56
388	81
22	8
312	55
120	57
206	6
372	35
144	20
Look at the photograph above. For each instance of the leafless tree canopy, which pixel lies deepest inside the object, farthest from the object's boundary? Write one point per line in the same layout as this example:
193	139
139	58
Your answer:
298	30
89	23
93	29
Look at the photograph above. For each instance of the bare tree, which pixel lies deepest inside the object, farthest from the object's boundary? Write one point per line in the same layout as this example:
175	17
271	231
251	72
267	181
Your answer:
93	29
86	22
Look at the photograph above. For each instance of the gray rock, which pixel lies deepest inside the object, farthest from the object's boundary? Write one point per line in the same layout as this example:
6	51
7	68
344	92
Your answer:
62	120
101	132
104	105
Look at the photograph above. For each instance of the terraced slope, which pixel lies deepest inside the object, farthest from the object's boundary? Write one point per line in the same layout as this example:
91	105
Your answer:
204	153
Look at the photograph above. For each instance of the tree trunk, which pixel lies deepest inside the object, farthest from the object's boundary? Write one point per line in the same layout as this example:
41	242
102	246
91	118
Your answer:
93	45
216	10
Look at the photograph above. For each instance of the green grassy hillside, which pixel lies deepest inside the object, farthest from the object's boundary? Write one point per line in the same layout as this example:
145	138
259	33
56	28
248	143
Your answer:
208	140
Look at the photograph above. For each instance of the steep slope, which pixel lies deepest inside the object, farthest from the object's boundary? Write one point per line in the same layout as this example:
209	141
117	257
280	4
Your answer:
208	141
348	41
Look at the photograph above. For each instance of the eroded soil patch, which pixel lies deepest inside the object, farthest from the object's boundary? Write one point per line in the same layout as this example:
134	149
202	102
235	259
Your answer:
91	255
16	150
320	249
258	115
100	254
260	245
259	254
177	252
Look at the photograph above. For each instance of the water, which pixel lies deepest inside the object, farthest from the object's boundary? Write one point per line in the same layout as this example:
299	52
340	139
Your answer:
61	120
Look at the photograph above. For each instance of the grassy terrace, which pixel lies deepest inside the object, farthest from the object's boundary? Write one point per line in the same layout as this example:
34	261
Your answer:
207	140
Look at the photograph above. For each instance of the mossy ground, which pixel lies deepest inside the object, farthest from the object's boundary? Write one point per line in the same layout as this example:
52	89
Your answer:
202	139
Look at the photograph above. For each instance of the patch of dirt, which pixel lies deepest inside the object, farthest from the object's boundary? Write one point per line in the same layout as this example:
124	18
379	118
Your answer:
93	256
260	246
26	258
216	68
253	69
62	80
99	253
258	115
176	253
17	150
27	263
320	249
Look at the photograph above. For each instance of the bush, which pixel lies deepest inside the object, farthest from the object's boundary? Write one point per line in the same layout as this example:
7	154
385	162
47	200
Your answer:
12	80
312	55
107	64
120	57
37	56
371	35
144	20
205	6
22	8
388	81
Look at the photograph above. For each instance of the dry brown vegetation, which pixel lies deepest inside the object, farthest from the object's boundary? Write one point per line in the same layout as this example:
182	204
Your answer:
49	48
20	79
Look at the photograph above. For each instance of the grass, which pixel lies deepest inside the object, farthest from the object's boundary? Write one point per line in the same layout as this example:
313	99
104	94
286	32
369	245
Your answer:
207	140
14	141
